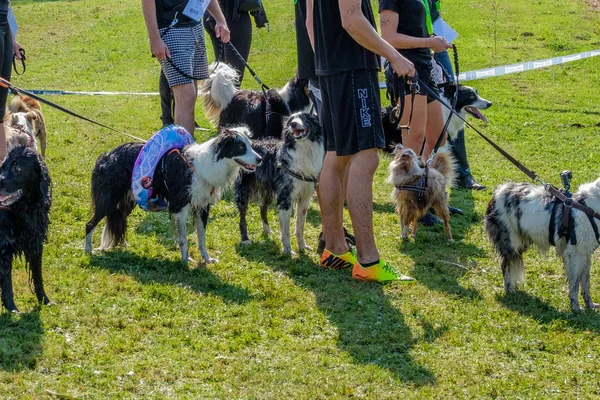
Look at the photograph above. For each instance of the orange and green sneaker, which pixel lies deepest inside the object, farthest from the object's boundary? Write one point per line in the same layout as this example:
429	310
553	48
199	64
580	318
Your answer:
382	272
343	261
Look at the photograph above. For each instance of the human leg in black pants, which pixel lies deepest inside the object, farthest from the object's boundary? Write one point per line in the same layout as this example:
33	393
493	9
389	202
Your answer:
459	151
167	101
241	38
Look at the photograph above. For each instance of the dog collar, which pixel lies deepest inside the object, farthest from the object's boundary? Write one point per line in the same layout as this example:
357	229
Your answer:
297	175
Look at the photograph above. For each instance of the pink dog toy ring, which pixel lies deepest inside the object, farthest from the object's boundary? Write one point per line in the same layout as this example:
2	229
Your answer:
142	182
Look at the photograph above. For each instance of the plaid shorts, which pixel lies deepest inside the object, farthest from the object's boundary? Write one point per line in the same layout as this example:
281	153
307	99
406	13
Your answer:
188	53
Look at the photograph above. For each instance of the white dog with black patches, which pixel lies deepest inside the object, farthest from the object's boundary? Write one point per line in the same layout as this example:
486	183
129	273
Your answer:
520	215
192	181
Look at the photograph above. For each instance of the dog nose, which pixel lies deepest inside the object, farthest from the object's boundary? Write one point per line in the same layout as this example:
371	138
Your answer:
258	160
489	104
295	125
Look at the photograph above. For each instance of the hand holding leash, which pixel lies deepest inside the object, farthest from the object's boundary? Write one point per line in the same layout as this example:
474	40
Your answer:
401	66
222	32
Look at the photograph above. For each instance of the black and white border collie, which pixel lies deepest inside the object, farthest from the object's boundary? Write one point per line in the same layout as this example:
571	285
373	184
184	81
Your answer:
216	163
225	104
286	164
519	216
468	103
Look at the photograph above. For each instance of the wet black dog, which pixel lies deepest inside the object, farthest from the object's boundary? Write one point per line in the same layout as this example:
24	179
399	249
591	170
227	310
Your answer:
24	205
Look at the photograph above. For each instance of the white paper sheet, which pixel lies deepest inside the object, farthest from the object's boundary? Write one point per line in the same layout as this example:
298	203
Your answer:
441	28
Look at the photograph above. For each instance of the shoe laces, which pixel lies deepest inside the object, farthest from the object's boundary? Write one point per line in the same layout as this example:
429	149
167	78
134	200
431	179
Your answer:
388	268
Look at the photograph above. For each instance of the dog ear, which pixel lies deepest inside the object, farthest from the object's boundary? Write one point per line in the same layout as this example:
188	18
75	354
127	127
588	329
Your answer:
31	116
45	182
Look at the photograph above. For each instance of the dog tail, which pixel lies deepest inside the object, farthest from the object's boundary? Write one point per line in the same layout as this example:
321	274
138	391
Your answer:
23	104
445	164
218	90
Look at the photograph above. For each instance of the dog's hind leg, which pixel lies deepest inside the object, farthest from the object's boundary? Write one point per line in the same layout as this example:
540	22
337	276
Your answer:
35	265
6	286
513	270
182	240
301	210
263	216
444	213
201	224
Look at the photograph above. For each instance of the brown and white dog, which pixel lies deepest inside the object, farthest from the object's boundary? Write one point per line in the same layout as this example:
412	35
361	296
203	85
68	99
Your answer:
25	117
407	171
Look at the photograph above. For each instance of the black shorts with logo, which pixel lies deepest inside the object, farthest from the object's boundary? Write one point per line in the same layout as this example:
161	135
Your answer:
351	112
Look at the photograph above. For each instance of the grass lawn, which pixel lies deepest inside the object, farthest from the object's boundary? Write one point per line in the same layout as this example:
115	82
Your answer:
137	323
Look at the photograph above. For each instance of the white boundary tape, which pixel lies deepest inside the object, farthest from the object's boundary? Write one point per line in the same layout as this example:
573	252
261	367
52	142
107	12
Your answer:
465	76
514	68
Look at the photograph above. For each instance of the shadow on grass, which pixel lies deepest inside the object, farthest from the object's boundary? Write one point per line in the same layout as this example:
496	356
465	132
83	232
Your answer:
370	329
538	309
20	341
439	264
166	272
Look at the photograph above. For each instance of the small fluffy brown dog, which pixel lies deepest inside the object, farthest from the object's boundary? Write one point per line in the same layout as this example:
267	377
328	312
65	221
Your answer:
407	171
26	115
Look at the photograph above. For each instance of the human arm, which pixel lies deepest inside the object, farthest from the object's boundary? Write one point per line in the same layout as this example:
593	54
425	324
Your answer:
3	148
221	29
359	28
157	46
389	25
309	23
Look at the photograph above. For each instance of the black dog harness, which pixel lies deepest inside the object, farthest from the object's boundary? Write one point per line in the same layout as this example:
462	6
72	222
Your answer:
567	228
418	187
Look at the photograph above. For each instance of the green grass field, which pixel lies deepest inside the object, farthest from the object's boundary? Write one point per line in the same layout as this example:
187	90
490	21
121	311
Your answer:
137	323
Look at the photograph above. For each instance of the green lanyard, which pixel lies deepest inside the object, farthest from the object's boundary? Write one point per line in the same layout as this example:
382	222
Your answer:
428	17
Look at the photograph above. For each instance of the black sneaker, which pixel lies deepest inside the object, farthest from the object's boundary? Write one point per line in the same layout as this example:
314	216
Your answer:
430	219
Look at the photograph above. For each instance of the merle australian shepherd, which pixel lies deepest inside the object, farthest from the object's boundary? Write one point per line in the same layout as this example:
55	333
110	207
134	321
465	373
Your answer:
468	103
195	181
520	215
263	113
288	174
24	205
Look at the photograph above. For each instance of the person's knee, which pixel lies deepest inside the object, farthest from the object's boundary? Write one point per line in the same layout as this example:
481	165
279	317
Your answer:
367	161
185	95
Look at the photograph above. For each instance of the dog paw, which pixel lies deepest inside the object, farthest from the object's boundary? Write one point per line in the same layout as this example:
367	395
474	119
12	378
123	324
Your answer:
211	260
246	242
190	260
305	249
289	252
593	306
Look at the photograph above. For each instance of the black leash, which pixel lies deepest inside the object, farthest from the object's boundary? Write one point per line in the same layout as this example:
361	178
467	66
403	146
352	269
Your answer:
23	58
254	75
438	143
14	89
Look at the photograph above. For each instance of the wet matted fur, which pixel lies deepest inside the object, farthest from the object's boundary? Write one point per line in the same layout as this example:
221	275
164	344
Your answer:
225	105
407	169
216	164
25	199
518	216
301	150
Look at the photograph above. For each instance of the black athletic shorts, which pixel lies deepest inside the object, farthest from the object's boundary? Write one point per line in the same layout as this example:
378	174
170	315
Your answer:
351	112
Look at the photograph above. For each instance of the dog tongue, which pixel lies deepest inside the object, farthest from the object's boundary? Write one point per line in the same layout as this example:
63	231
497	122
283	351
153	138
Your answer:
477	114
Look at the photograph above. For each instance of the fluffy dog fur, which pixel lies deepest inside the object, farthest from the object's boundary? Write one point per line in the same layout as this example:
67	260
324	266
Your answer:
25	201
518	216
217	163
226	105
407	169
469	103
302	151
26	113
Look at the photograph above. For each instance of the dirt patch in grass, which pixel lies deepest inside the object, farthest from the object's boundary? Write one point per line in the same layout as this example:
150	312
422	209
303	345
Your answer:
595	4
